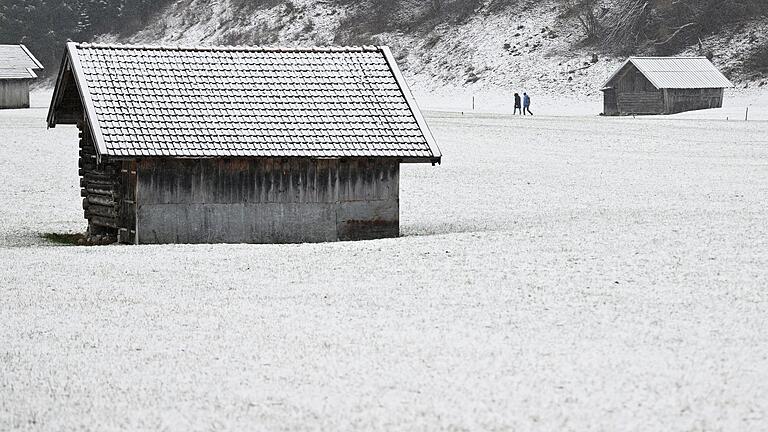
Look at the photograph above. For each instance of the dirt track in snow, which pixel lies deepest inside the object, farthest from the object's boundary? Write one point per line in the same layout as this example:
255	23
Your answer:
571	273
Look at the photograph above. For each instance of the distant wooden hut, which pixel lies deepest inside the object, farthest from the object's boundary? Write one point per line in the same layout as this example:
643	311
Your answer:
664	85
17	70
240	144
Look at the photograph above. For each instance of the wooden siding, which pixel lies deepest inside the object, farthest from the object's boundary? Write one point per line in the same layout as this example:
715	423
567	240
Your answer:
14	93
127	206
632	81
610	103
641	103
632	93
682	100
100	188
266	200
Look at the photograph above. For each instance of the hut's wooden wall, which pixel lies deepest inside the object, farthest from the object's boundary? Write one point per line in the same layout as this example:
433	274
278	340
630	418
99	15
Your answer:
636	95
14	93
100	188
641	103
610	104
266	200
681	100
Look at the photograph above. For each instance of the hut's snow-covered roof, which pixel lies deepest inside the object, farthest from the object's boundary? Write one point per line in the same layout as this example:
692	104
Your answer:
676	72
16	62
151	101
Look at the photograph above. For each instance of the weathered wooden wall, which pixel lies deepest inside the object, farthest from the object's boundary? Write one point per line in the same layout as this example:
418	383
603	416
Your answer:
266	200
100	188
127	207
641	103
636	95
681	100
610	104
14	93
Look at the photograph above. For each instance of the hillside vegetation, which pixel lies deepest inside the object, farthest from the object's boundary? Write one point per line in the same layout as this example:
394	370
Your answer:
664	27
44	25
558	45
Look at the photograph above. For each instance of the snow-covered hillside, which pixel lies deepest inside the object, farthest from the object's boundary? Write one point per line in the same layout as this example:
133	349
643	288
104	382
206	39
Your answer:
522	46
526	49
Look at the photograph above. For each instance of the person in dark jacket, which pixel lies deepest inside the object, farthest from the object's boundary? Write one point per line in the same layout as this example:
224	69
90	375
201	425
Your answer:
518	106
526	104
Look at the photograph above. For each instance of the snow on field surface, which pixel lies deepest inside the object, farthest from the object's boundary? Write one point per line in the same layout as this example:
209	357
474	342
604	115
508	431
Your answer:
555	273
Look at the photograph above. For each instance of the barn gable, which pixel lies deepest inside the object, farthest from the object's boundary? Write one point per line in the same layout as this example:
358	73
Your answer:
67	103
208	102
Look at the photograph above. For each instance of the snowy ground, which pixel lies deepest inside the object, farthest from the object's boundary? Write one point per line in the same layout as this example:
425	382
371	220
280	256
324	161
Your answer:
555	273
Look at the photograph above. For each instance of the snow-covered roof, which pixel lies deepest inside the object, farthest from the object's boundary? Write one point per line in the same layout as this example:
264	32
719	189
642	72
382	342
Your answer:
16	62
245	101
676	72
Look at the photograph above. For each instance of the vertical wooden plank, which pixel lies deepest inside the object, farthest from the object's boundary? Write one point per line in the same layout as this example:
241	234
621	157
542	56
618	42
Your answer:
296	171
334	181
394	182
269	180
372	174
345	180
311	187
259	180
323	184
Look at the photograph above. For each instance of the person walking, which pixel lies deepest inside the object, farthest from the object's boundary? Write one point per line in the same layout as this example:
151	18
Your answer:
518	106
526	104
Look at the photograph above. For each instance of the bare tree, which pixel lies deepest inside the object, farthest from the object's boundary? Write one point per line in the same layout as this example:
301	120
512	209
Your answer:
587	13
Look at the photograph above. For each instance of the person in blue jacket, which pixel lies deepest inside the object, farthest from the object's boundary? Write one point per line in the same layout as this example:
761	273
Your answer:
526	104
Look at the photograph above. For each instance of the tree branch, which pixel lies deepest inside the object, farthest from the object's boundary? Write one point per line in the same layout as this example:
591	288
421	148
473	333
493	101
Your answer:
679	29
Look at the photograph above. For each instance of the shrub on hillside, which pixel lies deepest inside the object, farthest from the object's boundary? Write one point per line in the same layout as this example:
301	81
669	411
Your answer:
657	26
757	60
371	17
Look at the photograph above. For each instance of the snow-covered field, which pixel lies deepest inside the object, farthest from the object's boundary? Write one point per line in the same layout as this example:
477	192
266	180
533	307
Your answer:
500	101
555	273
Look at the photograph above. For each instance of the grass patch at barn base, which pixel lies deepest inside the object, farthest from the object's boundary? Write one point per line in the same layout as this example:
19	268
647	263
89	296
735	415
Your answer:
65	238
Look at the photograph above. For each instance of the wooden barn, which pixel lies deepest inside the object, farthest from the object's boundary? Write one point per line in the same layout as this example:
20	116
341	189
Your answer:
664	85
240	144
17	71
